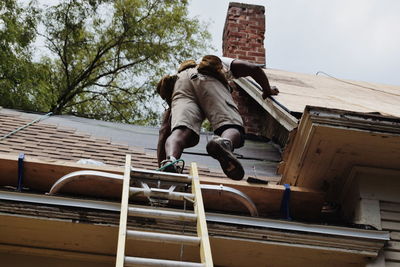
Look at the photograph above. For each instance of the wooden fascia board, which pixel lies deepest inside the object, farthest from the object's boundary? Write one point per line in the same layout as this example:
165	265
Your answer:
29	204
298	148
41	174
56	253
232	242
288	121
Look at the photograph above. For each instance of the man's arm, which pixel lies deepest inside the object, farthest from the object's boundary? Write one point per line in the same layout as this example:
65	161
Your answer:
242	68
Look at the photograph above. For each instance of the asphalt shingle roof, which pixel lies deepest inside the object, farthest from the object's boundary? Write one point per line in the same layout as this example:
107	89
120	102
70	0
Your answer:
44	140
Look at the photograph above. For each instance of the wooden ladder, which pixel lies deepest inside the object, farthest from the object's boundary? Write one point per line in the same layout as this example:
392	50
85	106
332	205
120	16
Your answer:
201	240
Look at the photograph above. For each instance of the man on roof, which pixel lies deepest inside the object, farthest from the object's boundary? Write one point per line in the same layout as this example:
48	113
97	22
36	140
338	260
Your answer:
202	91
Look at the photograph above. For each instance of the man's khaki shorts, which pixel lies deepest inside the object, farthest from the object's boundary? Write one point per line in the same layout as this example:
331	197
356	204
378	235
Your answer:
196	97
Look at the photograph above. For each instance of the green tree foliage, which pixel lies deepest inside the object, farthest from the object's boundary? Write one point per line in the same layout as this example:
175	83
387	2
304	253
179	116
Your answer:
104	56
17	72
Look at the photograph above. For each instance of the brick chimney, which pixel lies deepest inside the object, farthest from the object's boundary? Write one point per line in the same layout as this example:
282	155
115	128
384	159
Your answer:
243	38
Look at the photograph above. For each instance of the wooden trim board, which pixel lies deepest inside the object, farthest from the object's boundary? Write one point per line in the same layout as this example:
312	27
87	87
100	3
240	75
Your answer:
288	121
42	174
329	143
228	250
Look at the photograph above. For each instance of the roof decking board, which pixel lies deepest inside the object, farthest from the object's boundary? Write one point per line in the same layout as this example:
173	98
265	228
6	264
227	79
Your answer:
331	93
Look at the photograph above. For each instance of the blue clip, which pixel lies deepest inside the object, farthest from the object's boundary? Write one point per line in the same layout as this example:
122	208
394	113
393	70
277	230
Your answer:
285	205
20	171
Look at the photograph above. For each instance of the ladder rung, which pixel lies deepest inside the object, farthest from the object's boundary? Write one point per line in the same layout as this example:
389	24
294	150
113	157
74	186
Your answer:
161	237
163	193
162	176
135	261
162	214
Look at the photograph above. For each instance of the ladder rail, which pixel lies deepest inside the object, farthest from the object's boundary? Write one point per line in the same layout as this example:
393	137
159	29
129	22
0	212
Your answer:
124	214
205	249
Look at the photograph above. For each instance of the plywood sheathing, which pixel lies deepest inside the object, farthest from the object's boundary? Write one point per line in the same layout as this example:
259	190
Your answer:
328	143
299	90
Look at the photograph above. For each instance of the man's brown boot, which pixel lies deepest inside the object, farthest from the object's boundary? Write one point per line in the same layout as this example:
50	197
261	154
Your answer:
221	149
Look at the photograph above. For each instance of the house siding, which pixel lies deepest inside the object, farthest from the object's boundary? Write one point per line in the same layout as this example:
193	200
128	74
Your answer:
390	215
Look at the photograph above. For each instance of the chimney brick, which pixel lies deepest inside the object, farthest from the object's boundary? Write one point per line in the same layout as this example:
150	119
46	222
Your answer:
243	38
244	31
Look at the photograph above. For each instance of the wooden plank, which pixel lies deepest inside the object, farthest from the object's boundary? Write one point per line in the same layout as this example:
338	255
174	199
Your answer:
304	202
229	250
124	214
60	234
298	90
282	116
300	143
202	232
41	174
56	253
112	219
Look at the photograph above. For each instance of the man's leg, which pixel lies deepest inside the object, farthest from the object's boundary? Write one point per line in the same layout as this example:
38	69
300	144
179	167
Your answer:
234	136
221	149
179	139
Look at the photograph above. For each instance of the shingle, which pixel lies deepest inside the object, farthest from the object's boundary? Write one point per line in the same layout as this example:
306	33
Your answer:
46	140
64	143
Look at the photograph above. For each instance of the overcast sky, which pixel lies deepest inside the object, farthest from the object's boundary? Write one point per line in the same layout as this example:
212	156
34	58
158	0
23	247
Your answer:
352	39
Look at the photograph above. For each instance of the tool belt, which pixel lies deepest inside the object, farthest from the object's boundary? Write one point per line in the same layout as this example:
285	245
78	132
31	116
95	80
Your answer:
210	65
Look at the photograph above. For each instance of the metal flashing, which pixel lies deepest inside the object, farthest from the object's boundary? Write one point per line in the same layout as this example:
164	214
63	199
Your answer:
299	227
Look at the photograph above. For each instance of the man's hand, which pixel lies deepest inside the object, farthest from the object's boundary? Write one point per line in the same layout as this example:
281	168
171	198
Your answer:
274	91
